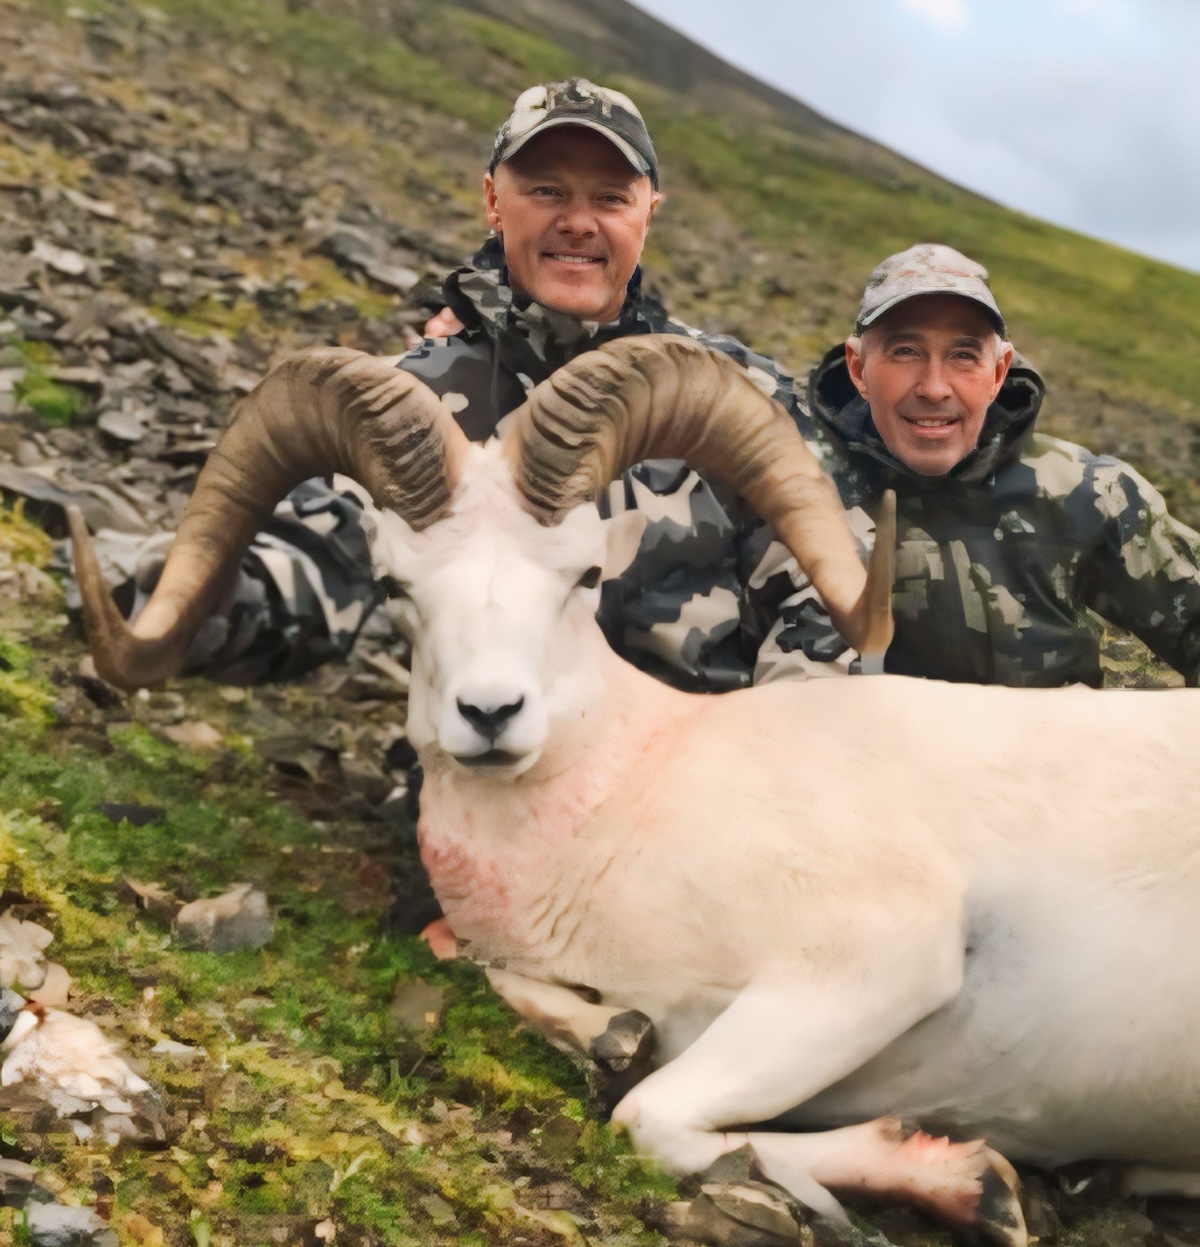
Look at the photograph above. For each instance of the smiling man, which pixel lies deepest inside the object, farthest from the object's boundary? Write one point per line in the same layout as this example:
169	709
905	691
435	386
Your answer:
1012	542
929	370
572	210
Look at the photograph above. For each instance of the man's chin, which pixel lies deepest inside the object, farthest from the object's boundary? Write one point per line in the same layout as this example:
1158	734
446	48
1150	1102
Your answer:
925	462
578	301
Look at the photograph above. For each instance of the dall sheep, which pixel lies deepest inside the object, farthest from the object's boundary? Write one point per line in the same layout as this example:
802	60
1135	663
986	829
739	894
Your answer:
842	904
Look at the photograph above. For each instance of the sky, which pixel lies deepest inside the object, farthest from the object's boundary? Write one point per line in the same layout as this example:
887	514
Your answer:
1083	112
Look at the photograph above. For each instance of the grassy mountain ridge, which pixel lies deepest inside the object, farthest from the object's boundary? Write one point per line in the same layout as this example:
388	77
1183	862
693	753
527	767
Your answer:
774	215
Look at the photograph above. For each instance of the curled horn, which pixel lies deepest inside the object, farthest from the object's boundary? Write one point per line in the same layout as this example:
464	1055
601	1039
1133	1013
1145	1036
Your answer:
666	396
321	411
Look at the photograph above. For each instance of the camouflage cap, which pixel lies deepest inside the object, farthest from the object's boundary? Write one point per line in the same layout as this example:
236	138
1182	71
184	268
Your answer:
578	102
927	268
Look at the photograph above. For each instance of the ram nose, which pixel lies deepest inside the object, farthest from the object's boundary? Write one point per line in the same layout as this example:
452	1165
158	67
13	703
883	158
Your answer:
489	720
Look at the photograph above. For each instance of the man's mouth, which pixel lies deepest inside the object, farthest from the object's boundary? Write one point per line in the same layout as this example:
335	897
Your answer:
566	257
930	424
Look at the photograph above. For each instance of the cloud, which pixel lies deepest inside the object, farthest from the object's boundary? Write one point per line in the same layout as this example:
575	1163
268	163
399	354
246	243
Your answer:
1083	112
1115	14
950	17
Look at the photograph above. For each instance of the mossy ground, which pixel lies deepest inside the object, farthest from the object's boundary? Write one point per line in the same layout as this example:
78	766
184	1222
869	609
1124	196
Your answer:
300	1097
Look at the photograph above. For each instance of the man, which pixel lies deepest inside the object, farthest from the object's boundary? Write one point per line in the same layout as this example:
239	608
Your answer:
1009	538
570	192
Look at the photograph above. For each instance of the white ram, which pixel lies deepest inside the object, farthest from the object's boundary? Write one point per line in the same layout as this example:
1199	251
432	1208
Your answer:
841	903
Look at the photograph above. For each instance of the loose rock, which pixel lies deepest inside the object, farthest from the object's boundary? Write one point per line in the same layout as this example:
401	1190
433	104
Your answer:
748	1214
54	1225
22	963
240	918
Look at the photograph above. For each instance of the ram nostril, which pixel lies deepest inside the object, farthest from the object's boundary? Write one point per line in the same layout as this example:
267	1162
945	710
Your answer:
489	720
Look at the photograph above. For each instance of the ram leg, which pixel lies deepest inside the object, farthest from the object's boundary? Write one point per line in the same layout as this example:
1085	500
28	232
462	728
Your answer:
777	1046
967	1185
616	1039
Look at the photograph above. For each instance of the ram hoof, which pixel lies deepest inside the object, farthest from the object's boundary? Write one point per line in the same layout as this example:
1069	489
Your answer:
627	1041
999	1220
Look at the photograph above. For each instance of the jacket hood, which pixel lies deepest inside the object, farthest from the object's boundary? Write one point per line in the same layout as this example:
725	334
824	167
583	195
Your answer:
840	406
480	296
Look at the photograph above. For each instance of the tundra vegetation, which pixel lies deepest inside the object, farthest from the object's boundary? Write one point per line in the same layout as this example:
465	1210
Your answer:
339	1075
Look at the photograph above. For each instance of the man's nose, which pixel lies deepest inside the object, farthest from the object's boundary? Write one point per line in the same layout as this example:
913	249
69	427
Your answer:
935	381
577	219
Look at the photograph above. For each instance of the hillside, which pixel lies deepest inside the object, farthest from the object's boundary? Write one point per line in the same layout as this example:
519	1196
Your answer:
188	188
775	215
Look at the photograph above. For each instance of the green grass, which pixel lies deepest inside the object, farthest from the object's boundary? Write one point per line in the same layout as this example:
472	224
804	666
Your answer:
52	402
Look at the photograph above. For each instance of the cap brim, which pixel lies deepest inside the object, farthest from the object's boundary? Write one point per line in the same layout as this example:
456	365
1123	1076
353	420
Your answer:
994	312
636	160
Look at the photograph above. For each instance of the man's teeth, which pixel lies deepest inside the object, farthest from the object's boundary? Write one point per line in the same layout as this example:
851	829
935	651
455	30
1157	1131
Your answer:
576	259
932	424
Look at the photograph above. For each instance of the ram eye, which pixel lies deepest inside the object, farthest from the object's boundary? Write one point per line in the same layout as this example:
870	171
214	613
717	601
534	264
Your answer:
392	587
590	578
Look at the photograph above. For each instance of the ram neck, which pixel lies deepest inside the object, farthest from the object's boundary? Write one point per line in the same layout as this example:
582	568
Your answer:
511	861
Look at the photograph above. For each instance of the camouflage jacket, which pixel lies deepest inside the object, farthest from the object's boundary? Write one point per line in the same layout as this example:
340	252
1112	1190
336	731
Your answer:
1002	562
680	612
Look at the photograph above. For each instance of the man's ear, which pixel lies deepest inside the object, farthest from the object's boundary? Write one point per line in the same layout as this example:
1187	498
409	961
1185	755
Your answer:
655	199
491	205
854	364
1004	359
623	534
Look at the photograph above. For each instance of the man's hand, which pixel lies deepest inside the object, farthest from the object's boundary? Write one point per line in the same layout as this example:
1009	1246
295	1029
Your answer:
443	324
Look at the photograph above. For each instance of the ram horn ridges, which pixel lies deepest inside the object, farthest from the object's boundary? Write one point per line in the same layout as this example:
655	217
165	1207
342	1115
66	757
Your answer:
321	411
663	396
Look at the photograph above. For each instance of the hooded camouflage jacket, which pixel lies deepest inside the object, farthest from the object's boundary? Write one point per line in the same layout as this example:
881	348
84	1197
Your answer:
679	612
1002	561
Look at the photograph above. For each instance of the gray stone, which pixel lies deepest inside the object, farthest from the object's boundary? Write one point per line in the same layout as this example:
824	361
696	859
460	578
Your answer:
61	259
54	1225
354	249
627	1041
732	1168
162	706
96	207
53	501
82	375
10	1005
16	1182
746	1214
418	1006
365	778
240	918
151	166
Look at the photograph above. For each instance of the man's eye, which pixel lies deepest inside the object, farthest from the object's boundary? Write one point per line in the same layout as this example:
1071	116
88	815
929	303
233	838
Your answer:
590	578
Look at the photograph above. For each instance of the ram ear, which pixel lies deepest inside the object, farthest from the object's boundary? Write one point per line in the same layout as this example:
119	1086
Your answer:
624	535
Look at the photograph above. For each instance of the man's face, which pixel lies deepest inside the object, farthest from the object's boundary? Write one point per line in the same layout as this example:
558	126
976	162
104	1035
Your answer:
572	214
929	369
